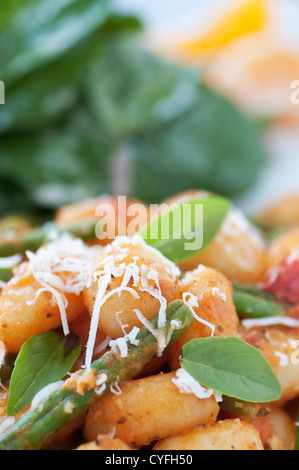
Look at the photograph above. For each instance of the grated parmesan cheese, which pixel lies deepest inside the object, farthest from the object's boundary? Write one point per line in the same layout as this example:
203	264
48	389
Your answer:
193	302
44	394
216	291
236	222
113	266
115	389
122	343
10	261
268	321
189	275
6	424
61	267
68	407
101	383
284	360
187	384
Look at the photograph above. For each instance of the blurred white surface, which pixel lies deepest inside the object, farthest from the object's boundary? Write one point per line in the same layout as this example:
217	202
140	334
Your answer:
183	17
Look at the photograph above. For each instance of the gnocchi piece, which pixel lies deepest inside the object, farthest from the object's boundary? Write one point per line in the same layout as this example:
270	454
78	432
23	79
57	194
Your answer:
284	431
104	442
113	211
214	309
149	409
282	275
283	247
238	251
228	434
277	430
284	212
279	345
20	321
130	279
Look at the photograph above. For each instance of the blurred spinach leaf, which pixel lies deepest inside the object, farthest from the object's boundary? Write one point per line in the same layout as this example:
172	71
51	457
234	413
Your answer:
13	197
43	96
131	91
39	32
58	165
213	146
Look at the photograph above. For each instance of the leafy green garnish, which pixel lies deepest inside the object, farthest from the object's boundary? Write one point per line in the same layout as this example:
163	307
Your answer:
192	223
232	367
42	359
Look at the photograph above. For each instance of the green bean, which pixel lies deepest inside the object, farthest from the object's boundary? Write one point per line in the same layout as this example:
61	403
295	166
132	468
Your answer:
243	408
254	306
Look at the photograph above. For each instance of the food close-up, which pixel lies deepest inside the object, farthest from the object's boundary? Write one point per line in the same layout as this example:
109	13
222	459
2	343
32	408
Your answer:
149	226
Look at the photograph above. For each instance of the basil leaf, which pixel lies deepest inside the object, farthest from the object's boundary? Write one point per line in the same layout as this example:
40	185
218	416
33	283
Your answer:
42	359
186	225
232	367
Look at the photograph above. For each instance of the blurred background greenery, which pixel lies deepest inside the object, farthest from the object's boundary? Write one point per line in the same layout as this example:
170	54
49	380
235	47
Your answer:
90	110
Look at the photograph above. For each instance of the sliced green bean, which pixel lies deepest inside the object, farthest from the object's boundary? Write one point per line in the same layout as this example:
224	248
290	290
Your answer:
243	408
253	306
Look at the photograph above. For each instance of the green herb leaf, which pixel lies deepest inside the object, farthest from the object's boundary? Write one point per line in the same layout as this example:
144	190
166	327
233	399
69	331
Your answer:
58	165
40	34
213	145
43	359
187	228
125	98
232	367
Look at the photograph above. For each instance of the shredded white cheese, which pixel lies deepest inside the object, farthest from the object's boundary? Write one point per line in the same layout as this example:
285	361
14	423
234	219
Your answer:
115	389
68	407
122	343
101	383
61	267
111	433
192	302
6	424
235	224
189	275
284	360
10	261
187	384
113	265
268	321
44	394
